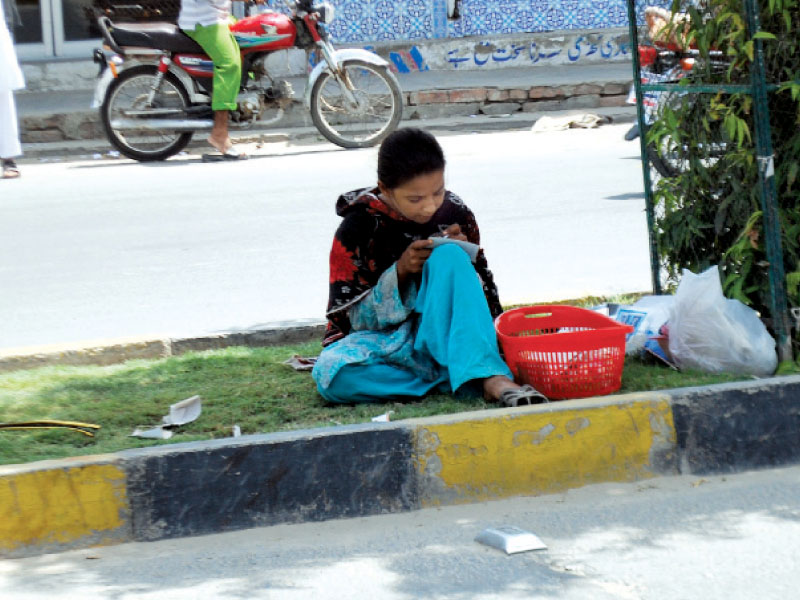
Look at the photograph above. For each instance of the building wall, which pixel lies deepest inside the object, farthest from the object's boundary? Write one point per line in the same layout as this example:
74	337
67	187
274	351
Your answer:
363	21
497	51
415	35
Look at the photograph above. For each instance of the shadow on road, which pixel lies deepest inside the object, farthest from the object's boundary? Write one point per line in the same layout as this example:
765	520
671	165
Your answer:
629	196
193	159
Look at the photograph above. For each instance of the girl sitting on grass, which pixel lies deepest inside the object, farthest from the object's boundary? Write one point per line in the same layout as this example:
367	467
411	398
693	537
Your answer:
406	319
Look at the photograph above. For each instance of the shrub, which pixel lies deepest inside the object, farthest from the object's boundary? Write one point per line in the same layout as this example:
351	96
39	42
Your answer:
711	212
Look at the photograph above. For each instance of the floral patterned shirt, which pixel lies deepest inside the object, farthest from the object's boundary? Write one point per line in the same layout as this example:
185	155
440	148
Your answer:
370	239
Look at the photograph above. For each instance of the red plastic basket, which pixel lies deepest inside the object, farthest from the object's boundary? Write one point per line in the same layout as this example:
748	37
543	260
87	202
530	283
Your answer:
563	351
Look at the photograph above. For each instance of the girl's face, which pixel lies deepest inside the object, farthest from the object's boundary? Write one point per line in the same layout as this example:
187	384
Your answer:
417	199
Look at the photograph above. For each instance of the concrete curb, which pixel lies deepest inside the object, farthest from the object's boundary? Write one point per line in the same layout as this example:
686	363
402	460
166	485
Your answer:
45	126
208	487
453	124
117	350
441	125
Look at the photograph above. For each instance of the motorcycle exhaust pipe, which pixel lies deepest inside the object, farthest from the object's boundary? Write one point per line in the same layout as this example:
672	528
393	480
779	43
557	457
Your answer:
161	124
124	124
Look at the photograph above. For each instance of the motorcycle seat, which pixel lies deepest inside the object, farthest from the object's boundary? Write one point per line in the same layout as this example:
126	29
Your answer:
162	36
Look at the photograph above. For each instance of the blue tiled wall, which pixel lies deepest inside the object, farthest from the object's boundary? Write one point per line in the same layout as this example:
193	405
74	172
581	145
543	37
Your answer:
398	20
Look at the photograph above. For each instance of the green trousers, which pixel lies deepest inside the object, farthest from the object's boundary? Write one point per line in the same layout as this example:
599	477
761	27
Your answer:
220	45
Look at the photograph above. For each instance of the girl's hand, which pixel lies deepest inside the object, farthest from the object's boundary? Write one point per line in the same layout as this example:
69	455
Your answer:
454	232
413	259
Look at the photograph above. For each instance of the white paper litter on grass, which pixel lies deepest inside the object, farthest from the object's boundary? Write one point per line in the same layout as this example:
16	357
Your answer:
156	433
183	412
180	413
384	418
510	539
301	363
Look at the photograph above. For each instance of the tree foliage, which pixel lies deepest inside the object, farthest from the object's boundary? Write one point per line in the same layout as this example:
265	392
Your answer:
711	212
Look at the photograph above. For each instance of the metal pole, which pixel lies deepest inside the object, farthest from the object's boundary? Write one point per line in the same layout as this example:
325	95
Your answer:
655	268
766	180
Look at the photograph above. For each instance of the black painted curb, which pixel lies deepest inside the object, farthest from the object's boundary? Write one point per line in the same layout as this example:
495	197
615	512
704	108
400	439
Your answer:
734	427
209	487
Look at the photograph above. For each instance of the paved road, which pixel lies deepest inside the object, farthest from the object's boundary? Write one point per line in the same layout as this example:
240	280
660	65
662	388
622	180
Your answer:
728	538
106	248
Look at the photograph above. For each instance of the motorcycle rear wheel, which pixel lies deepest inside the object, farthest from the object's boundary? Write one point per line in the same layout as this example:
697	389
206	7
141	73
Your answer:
379	110
129	92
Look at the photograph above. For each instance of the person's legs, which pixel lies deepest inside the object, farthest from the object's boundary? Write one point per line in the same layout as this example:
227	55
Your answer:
221	47
375	382
456	327
9	136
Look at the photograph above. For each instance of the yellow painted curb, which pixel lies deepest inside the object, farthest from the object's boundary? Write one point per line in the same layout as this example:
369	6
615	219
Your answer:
58	507
543	450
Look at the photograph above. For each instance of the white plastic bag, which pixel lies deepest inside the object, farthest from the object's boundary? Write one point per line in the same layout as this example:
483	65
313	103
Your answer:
712	333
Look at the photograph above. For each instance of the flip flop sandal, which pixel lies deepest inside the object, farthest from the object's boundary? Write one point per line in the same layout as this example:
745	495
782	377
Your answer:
10	169
233	154
521	396
230	154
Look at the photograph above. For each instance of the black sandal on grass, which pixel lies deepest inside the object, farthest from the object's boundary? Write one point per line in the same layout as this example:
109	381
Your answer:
522	396
10	169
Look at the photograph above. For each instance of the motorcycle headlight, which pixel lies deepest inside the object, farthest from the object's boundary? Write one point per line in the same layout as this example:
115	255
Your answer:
325	11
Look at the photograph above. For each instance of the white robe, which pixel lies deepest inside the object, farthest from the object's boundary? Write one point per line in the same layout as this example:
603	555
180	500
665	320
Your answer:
10	73
10	79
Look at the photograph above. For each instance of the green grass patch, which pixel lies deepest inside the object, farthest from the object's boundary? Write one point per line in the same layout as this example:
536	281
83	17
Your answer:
249	387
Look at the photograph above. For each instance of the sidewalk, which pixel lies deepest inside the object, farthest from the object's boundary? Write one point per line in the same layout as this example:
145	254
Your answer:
64	122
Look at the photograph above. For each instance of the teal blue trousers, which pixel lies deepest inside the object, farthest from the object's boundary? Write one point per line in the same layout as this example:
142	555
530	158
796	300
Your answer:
454	327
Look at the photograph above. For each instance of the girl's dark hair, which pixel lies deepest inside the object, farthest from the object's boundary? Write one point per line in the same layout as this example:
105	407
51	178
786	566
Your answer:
407	153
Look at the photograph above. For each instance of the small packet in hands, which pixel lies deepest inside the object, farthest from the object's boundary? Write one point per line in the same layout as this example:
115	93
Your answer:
468	247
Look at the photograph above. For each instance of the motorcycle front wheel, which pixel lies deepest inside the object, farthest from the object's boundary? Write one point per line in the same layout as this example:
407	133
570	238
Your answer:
693	145
666	158
671	158
126	100
377	112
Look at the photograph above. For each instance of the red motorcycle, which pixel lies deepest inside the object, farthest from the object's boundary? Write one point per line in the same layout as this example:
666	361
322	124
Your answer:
154	86
666	59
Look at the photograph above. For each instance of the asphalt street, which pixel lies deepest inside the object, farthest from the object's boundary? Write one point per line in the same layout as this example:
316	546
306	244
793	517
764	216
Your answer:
734	537
101	247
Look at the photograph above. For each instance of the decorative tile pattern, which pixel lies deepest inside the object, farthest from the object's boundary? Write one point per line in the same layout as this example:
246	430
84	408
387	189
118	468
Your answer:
360	21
